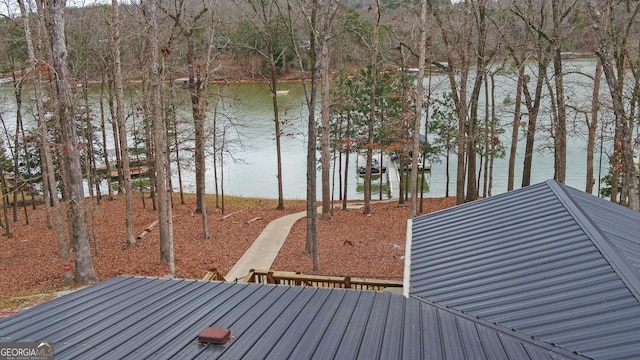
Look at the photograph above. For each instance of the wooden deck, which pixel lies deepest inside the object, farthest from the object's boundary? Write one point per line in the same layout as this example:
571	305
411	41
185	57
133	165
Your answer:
298	279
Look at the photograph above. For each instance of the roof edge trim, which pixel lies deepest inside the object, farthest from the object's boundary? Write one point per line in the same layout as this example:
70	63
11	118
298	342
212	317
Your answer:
406	281
609	251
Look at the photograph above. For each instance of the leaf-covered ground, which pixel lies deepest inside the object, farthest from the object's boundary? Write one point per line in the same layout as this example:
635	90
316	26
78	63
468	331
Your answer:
354	244
350	244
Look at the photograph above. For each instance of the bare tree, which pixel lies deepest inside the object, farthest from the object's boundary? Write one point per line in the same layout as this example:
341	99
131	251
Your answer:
612	50
592	126
103	129
483	56
543	56
518	40
120	120
76	212
325	103
456	37
418	116
372	107
271	44
517	116
318	15
196	84
165	217
591	113
560	10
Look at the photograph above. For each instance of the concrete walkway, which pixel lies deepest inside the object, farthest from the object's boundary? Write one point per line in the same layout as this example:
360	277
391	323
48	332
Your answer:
394	178
265	248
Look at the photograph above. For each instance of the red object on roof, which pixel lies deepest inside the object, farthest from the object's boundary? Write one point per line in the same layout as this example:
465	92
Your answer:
214	335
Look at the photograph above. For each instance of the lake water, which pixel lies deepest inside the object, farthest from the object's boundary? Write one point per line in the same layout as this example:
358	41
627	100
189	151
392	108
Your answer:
256	174
578	90
250	164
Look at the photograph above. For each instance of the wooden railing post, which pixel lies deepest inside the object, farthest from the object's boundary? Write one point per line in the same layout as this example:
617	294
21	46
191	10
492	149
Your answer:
291	278
251	276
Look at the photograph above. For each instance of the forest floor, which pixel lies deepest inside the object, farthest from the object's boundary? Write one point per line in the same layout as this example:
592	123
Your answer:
350	244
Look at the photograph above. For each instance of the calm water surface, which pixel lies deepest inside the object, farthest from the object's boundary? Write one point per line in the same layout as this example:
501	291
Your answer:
245	112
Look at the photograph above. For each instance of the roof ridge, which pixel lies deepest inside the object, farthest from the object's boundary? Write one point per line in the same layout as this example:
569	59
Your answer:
598	239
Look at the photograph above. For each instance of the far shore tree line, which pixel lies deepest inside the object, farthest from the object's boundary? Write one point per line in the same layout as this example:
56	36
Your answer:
366	68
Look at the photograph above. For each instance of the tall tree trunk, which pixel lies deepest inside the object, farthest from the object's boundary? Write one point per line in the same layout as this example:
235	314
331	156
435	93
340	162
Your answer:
165	219
5	203
76	213
91	150
276	119
195	85
458	67
372	109
114	129
489	105
615	168
544	51
493	139
472	190
17	90
311	14
319	14
403	181
48	174
215	149
176	145
311	243
560	133
622	143
533	108
172	122
148	147
346	162
593	126
224	133
418	111
89	163
122	130
517	116
426	137
327	207
103	129
197	82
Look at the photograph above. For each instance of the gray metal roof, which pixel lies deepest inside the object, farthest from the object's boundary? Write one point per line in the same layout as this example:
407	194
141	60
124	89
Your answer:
546	260
151	318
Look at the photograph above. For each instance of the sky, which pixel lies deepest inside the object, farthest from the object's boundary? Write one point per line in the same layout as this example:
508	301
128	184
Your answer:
11	6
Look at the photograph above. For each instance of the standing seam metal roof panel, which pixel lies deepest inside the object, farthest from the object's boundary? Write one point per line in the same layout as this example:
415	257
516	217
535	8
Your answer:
62	316
243	311
618	227
350	344
184	323
340	320
298	329
394	331
503	259
273	323
374	331
311	341
173	294
266	321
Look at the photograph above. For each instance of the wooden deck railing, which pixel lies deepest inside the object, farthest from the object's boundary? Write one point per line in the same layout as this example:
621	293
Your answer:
292	278
213	275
